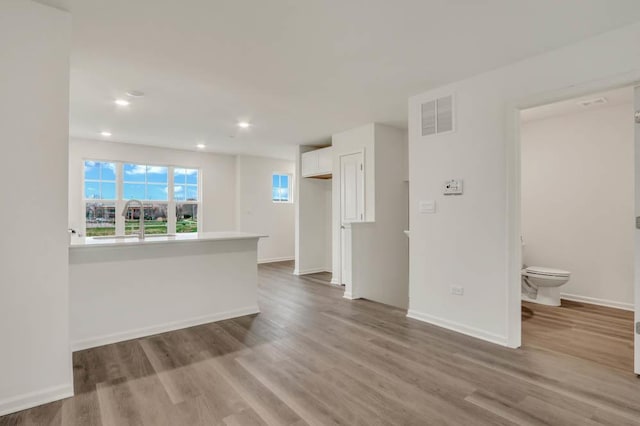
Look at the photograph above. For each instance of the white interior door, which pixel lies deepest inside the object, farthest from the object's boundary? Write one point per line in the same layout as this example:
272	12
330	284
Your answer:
351	210
637	232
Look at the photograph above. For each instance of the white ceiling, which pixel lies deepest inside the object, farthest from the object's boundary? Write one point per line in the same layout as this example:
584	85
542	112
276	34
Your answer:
614	97
299	70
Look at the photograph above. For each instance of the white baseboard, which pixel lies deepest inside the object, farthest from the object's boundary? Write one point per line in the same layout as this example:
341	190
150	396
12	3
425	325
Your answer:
79	345
334	281
596	301
33	399
459	328
309	271
275	259
349	296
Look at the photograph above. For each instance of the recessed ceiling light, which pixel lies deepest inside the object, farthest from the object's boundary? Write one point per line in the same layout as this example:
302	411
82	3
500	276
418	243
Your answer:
201	146
105	133
122	102
243	124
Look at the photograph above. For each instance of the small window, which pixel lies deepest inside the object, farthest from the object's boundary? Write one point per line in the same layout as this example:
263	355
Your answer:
281	188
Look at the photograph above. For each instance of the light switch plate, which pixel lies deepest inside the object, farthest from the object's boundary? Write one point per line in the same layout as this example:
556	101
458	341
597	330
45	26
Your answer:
457	290
427	207
453	187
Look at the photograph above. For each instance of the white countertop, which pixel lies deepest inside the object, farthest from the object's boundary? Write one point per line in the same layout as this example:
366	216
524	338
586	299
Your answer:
85	242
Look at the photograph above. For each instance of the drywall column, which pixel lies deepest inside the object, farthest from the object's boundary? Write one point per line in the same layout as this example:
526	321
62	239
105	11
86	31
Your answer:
380	249
313	221
35	360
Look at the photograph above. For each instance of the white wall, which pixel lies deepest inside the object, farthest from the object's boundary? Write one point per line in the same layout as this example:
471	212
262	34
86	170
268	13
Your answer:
380	249
258	213
473	239
218	177
577	201
35	359
313	222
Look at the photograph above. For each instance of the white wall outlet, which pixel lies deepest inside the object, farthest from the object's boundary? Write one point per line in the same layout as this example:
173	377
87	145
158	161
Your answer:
456	290
427	207
453	187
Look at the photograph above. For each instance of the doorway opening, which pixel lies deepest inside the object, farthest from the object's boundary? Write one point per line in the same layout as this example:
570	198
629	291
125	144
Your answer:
577	204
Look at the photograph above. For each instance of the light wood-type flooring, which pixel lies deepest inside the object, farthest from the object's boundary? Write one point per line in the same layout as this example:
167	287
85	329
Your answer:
595	333
313	357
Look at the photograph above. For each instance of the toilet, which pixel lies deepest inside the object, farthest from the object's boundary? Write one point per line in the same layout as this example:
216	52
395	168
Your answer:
542	285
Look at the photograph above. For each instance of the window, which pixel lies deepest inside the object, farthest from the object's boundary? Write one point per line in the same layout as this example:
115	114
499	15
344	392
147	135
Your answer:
167	208
100	185
146	182
185	185
101	219
155	219
186	218
281	188
99	180
185	194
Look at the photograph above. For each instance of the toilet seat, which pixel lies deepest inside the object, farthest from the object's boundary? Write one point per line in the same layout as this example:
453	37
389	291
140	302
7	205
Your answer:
542	271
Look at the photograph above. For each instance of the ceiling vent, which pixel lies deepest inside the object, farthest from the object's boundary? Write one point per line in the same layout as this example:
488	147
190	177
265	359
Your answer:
593	102
437	116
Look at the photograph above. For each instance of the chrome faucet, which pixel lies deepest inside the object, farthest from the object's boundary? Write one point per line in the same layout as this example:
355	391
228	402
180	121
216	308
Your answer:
124	213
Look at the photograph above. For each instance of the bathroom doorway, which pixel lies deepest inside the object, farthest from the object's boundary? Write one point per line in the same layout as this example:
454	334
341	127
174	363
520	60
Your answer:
577	174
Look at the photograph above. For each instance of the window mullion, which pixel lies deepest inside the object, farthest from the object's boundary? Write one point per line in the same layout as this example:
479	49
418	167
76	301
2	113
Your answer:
171	204
120	220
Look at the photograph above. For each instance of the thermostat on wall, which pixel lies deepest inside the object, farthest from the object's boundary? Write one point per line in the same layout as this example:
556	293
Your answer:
453	187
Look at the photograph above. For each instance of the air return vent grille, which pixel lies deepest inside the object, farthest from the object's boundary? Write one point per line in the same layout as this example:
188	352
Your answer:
437	116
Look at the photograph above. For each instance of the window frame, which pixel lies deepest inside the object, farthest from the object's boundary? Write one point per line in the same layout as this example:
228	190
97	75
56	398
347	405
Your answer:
120	202
290	187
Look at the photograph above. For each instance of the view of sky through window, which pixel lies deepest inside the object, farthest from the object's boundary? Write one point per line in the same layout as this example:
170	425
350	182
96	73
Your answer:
99	180
280	188
143	182
185	184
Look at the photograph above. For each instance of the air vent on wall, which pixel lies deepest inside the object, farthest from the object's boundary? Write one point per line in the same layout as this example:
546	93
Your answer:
437	116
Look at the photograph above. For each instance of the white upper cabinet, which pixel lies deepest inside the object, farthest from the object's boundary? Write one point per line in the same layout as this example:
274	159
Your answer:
318	163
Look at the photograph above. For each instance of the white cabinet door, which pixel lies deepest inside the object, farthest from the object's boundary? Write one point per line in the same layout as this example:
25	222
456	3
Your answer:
352	188
309	163
325	161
